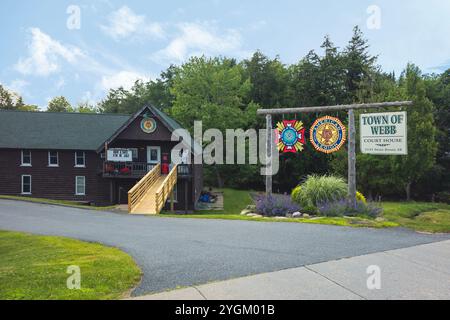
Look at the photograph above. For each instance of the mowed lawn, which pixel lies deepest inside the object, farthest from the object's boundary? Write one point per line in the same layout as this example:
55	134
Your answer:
420	216
35	267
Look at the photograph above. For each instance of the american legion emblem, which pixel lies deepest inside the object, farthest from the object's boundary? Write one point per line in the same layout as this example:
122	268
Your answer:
148	125
291	136
327	134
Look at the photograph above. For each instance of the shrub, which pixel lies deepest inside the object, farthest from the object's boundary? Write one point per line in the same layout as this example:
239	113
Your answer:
443	196
319	189
360	197
275	205
295	194
340	208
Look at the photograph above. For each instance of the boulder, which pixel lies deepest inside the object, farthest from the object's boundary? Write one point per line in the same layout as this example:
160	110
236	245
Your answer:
296	214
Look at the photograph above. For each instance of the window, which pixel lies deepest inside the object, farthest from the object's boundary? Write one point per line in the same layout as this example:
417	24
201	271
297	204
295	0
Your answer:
52	158
153	155
26	158
80	185
80	159
134	153
26	184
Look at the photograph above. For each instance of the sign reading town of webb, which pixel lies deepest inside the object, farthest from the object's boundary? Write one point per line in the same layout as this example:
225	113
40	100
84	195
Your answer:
119	155
383	133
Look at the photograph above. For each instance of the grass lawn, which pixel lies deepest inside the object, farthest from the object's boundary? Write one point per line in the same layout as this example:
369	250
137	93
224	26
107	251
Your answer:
420	216
35	267
57	202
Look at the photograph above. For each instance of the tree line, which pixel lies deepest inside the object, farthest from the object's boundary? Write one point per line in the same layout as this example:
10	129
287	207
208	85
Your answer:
225	93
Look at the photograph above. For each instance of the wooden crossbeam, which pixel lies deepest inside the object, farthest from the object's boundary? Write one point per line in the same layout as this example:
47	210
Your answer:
333	108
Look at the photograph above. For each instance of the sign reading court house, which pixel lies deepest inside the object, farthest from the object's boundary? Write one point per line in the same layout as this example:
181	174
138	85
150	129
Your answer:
383	133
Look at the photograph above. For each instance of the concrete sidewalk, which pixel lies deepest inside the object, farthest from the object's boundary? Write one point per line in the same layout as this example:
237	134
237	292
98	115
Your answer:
419	272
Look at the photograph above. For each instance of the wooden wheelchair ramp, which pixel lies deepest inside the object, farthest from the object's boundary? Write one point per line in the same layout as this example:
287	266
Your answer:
150	194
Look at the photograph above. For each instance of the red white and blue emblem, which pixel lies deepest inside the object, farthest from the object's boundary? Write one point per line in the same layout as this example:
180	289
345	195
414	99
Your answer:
291	136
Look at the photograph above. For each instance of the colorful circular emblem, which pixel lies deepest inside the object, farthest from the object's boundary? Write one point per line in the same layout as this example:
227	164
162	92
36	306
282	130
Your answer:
291	136
148	125
327	134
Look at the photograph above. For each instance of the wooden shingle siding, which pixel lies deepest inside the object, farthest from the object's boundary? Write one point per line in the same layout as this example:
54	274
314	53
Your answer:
53	182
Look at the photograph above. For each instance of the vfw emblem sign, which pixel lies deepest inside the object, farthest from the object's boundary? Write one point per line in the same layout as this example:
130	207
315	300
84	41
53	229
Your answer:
291	136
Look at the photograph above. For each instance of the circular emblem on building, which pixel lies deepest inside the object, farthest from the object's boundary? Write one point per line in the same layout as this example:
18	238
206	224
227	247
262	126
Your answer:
148	125
327	134
291	136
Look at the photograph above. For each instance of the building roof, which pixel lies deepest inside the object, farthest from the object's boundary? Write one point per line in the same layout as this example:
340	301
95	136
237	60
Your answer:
68	130
57	130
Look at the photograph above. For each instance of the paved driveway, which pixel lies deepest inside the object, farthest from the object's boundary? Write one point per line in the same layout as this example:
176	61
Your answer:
182	252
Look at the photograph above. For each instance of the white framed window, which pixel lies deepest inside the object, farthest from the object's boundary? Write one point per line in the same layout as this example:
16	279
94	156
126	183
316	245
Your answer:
80	159
53	159
153	155
80	185
26	184
25	157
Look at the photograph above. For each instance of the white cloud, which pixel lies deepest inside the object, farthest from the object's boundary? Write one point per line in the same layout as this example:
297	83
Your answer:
124	23
45	55
199	39
125	79
17	86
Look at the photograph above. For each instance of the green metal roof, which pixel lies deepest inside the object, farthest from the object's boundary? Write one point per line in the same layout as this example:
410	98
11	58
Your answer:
57	130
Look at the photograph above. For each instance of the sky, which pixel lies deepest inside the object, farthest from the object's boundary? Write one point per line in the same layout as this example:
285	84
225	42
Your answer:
81	49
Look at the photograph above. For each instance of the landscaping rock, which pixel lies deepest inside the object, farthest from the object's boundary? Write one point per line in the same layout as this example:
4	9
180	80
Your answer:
252	214
296	214
257	216
305	215
246	211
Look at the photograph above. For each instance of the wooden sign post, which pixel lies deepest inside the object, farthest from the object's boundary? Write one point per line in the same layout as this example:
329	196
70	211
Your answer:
351	136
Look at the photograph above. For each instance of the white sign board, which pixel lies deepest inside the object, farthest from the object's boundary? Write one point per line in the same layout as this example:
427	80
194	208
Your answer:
383	133
119	155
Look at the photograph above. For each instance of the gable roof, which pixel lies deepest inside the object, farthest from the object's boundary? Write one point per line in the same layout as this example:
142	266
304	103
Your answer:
56	130
170	123
68	130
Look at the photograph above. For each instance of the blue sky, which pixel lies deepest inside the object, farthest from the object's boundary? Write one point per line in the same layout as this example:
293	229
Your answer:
44	54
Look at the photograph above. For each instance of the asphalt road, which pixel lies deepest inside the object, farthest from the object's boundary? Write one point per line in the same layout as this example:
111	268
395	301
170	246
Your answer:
183	252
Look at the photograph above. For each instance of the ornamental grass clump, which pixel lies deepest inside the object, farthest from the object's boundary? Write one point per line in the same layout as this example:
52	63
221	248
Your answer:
275	205
319	189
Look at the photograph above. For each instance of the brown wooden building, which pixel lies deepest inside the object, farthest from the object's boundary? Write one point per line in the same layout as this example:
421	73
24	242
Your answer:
77	156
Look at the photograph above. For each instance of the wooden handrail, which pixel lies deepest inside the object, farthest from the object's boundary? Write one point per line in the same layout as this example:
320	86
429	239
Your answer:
164	190
136	193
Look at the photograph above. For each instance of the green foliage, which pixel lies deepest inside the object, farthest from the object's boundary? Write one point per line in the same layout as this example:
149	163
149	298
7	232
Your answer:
59	104
295	194
212	90
318	189
12	101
